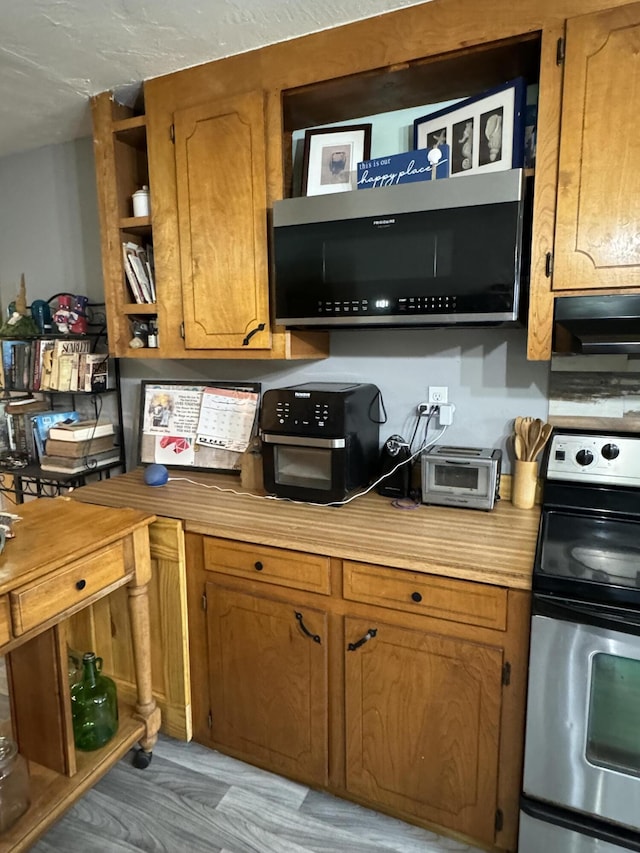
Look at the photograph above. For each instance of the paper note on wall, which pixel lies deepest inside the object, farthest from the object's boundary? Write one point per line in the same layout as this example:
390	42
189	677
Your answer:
226	418
171	412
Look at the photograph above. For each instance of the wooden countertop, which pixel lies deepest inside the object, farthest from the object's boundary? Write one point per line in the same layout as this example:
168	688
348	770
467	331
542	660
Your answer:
494	547
53	532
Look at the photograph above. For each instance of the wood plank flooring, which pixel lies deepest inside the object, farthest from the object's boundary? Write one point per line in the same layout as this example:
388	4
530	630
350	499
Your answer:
194	800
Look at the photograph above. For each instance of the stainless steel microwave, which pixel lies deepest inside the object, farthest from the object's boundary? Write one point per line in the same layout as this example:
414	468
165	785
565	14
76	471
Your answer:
430	253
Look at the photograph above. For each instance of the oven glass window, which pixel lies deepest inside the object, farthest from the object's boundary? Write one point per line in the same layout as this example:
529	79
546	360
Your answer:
306	467
600	550
613	739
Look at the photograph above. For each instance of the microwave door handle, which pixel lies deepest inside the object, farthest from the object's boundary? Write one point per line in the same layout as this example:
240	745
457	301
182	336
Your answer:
596	615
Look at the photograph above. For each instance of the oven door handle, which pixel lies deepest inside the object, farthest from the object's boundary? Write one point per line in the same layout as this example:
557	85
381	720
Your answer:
587	613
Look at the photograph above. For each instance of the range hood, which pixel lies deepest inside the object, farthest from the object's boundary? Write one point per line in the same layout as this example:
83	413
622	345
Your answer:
597	324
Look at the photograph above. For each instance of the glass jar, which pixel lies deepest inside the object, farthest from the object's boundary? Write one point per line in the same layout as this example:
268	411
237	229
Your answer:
14	784
94	706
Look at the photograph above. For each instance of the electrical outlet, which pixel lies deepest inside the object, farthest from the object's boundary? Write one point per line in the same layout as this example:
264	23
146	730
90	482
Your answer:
438	394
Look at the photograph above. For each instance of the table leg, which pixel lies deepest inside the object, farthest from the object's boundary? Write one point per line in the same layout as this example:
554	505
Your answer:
138	596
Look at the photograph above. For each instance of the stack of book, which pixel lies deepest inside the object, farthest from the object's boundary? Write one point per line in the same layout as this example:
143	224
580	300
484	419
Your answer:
74	447
15	364
19	413
138	266
54	364
68	365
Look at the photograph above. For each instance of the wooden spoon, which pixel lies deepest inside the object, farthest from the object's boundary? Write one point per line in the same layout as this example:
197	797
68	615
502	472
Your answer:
521	427
543	438
519	446
533	436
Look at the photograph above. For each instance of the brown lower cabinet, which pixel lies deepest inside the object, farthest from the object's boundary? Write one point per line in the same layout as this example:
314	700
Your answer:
423	724
268	681
400	690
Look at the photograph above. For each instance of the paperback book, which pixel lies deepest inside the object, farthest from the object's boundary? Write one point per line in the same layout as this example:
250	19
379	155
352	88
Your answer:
42	423
93	373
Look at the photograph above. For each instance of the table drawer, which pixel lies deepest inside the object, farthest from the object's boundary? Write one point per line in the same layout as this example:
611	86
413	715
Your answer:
280	566
429	595
49	596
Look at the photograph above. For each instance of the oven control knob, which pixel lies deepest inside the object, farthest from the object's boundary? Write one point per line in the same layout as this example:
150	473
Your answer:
611	451
584	457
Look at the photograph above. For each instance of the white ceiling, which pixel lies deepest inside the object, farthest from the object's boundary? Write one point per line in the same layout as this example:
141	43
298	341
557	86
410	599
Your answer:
55	54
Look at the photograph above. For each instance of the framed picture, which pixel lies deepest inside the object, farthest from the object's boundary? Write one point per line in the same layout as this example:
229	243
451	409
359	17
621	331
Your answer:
484	133
331	156
197	425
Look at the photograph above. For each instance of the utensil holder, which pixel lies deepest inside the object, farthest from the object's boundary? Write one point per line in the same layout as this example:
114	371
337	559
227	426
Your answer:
525	481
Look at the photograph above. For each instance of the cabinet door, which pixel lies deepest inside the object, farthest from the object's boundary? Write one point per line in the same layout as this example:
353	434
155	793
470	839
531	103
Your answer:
222	220
423	715
268	682
598	213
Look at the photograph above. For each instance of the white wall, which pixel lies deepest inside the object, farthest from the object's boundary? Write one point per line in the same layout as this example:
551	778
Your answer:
49	230
49	222
486	371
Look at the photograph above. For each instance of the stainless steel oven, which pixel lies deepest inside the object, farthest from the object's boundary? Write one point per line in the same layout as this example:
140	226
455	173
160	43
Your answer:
581	786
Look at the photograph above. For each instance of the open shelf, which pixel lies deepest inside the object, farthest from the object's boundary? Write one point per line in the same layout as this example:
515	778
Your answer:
52	793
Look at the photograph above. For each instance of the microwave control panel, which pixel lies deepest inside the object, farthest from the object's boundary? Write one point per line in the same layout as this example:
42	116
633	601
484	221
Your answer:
387	306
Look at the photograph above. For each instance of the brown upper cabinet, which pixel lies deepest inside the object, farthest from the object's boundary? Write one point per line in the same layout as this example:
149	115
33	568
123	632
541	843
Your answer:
598	214
217	153
220	171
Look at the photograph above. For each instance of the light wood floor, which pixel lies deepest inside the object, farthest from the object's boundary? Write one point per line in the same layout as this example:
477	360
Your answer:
192	799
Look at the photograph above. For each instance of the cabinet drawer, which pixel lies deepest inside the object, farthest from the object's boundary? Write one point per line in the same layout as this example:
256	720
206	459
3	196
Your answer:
293	569
47	597
442	598
5	620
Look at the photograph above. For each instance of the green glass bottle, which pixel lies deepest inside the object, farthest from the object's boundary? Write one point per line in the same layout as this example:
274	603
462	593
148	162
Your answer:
94	706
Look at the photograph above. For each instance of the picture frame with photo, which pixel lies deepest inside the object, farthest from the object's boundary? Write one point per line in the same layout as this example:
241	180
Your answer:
331	156
485	133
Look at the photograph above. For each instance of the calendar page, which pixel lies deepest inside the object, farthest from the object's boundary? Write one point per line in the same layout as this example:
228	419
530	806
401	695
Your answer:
226	418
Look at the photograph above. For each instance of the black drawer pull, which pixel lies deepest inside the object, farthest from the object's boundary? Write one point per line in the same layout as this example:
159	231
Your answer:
314	637
415	596
81	584
258	566
368	636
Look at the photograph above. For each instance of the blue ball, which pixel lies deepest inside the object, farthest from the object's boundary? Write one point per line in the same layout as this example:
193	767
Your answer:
156	475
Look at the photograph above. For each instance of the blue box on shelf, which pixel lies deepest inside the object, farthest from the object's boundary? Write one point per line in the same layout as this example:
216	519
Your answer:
403	168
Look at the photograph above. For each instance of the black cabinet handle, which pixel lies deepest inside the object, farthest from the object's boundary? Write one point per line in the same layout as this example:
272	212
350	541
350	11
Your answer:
245	341
368	636
415	596
305	630
258	566
81	584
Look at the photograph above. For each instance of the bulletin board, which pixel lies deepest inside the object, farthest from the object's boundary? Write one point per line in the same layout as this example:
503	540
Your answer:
197	426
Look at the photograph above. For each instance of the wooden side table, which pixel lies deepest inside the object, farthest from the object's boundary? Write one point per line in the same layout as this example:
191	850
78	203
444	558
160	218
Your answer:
65	556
